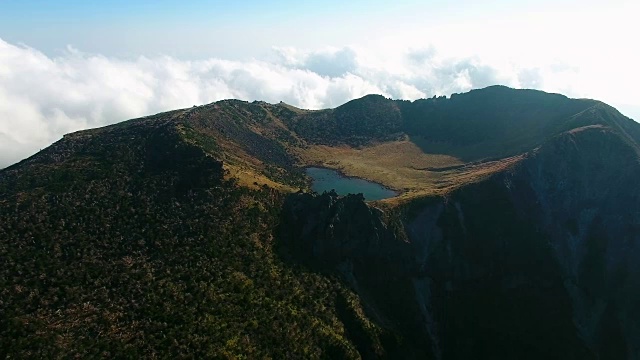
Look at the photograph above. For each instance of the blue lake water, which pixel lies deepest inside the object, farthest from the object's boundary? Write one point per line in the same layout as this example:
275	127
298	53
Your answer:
327	180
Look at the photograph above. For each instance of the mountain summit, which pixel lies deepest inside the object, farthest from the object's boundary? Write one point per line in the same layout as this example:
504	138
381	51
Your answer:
193	233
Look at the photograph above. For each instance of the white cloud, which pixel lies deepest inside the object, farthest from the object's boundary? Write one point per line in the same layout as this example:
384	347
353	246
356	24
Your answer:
42	97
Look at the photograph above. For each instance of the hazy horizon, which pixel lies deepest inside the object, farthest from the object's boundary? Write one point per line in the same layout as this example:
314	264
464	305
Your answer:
71	65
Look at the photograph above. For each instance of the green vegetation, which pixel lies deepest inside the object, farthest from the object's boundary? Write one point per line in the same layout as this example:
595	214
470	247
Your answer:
490	123
356	123
162	259
180	235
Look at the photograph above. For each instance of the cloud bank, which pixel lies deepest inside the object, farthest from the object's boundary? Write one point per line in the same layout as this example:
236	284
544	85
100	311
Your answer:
43	97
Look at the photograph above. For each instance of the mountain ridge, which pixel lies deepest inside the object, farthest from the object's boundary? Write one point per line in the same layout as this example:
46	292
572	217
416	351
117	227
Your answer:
185	233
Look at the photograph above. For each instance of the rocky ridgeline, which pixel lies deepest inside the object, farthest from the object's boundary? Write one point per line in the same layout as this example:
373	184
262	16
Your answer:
544	255
336	228
133	240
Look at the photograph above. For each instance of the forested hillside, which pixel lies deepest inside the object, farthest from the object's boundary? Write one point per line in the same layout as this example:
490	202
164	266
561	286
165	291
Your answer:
194	234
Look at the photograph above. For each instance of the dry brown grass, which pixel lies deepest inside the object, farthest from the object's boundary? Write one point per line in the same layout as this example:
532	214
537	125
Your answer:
402	166
399	165
252	179
238	164
453	179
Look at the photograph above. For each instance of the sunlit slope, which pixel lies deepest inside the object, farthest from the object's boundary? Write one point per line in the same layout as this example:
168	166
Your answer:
163	236
432	146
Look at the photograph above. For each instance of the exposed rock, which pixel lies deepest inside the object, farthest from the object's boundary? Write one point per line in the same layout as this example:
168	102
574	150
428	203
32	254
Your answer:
537	262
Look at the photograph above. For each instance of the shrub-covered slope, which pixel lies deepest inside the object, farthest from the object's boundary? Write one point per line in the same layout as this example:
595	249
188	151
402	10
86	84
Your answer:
494	122
183	235
128	242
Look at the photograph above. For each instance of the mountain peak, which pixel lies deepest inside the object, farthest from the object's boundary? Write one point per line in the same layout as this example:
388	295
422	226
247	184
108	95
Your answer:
516	212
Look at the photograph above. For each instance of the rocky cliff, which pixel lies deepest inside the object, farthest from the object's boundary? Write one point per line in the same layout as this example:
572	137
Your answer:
539	261
189	234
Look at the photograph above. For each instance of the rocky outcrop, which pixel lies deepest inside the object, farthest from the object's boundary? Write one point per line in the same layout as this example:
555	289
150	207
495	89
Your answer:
348	237
334	229
585	183
540	261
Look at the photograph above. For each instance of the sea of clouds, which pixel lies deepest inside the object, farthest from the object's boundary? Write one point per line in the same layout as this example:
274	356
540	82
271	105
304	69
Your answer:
43	97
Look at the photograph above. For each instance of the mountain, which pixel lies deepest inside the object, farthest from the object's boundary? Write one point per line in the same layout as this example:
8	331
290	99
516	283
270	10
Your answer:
193	233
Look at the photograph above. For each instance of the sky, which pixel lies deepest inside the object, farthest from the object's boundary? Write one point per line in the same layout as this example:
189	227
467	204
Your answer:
68	65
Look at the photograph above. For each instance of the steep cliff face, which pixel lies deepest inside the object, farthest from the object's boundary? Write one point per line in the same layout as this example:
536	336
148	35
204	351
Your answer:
334	228
180	235
551	246
539	261
346	236
585	184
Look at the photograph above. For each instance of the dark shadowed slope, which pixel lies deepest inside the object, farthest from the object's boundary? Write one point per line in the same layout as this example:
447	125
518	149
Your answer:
128	241
182	234
540	261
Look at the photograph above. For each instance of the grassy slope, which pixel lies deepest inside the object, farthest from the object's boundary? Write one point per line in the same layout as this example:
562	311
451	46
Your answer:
128	242
420	147
80	267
